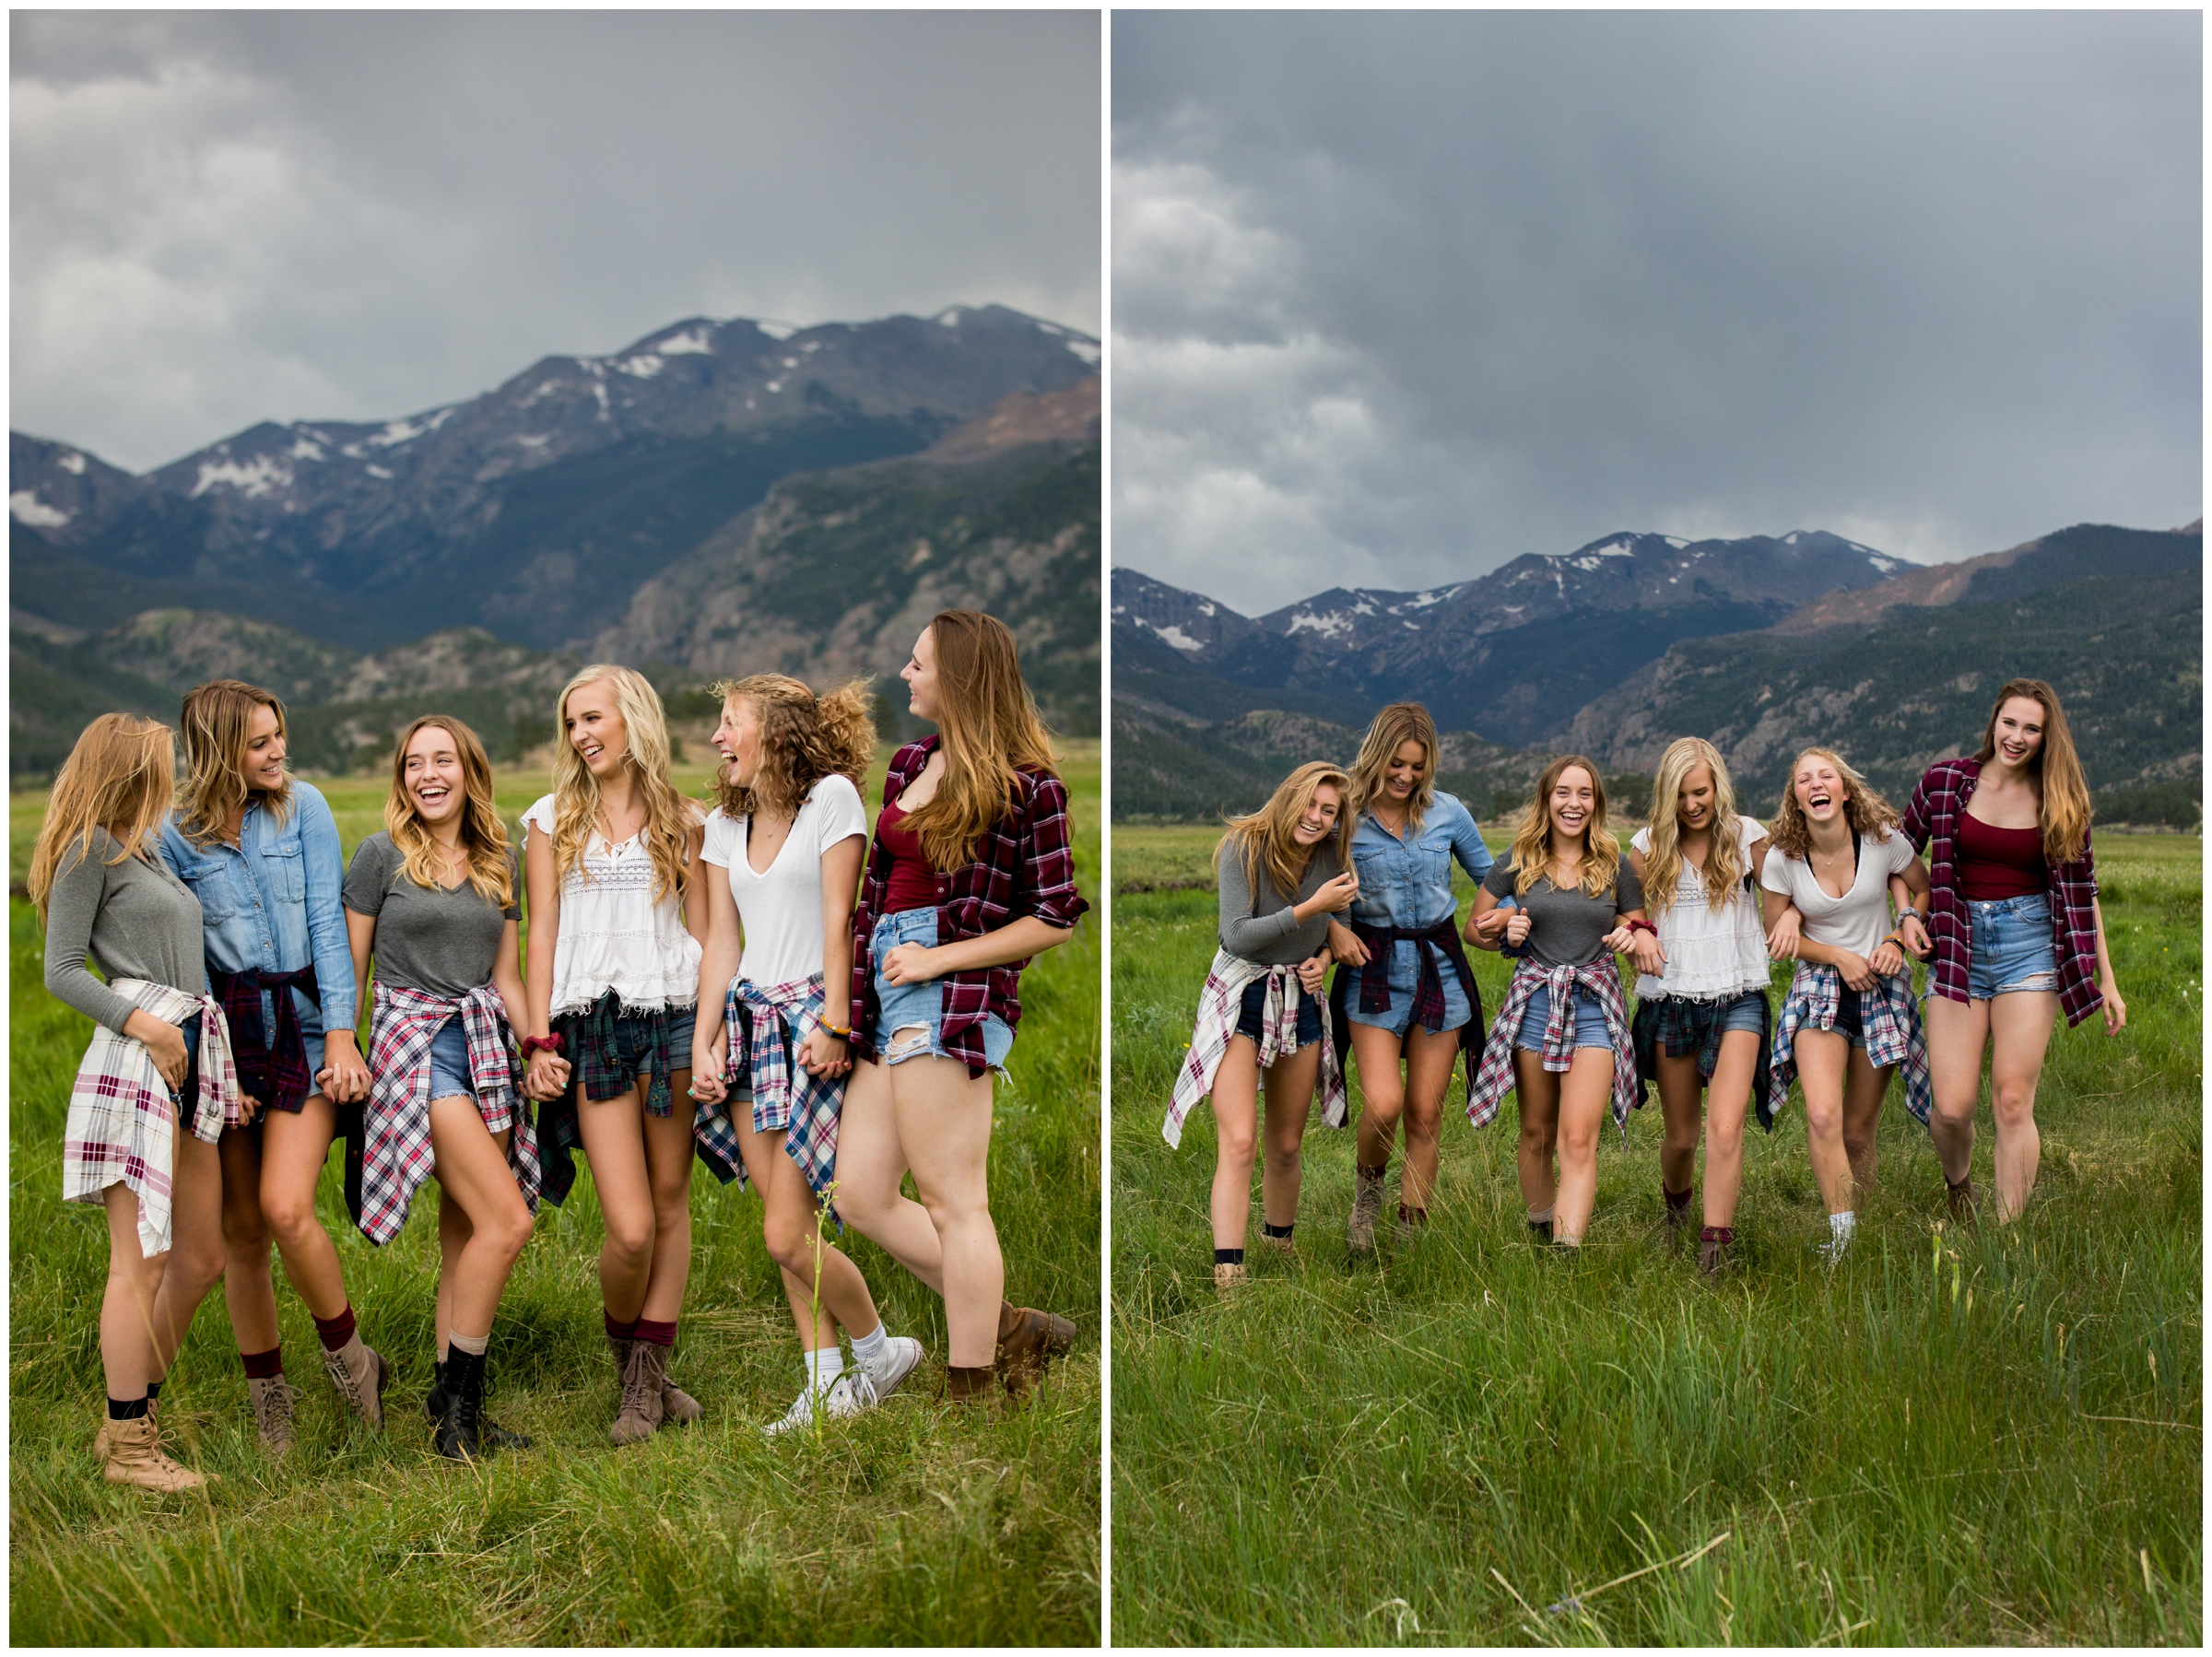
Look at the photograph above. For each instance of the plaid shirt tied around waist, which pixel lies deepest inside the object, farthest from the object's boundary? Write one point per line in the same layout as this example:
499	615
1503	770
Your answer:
1219	1004
1428	1005
1889	1018
122	1119
396	1122
1932	822
589	1043
272	1064
1680	1026
766	1023
1022	866
1495	1079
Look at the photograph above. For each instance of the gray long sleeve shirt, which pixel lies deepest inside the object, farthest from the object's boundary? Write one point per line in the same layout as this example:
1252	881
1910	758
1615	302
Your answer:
1261	926
135	919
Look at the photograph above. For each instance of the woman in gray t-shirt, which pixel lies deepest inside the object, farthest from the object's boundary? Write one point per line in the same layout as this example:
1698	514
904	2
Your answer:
1576	903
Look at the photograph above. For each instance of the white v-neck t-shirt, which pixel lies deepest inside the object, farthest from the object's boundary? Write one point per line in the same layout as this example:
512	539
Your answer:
781	909
1858	920
613	934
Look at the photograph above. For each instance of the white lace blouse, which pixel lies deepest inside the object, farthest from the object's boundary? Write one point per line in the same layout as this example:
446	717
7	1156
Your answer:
613	935
1709	954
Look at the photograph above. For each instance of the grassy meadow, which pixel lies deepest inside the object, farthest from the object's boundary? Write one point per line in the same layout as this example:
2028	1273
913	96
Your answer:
904	1527
1960	1437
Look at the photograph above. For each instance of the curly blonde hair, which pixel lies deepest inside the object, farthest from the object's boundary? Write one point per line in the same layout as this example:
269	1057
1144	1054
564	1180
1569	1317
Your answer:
483	834
1865	811
804	736
1532	845
669	817
1724	864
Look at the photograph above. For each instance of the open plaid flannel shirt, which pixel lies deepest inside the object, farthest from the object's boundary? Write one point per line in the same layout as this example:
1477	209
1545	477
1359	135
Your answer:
1932	823
122	1119
766	1024
402	1024
1218	1006
1888	1017
1022	866
1495	1079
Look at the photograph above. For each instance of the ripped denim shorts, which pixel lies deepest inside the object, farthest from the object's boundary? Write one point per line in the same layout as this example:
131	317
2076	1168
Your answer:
2011	947
908	1007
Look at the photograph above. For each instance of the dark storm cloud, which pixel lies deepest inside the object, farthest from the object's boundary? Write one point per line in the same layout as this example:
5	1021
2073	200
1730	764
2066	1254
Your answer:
1398	298
221	218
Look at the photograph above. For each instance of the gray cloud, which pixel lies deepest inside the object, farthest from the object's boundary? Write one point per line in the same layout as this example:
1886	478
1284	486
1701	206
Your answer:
1397	298
219	217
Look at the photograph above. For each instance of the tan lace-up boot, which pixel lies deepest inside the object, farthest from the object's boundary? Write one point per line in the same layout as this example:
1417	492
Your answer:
133	1457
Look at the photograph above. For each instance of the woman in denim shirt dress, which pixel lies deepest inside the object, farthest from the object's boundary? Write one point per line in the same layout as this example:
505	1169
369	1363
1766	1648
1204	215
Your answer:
1405	836
260	851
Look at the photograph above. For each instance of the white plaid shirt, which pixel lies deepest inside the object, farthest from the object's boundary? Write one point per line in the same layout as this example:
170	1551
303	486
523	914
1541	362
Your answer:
1218	1006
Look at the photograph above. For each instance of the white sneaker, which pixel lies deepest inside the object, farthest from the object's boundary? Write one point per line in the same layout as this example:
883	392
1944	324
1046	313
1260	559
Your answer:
1831	1252
901	1353
801	1413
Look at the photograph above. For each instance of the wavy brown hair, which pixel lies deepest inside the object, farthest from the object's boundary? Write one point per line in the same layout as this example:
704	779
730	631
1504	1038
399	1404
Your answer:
2063	794
483	834
120	777
1532	845
804	736
988	727
1865	811
1265	839
217	718
1725	862
669	817
1397	725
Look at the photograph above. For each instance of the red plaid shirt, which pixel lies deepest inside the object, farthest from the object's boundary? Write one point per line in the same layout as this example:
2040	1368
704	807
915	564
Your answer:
1022	866
1932	822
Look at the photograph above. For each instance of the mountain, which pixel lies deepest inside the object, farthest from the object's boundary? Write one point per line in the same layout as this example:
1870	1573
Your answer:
536	509
1512	653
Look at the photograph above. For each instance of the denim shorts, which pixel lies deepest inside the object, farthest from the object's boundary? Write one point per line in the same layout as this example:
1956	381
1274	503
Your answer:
1848	1023
633	1041
1589	1021
905	1006
2011	948
1405	975
1254	1009
448	1062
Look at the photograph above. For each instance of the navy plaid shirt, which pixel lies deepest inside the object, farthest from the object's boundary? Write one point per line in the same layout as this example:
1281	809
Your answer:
1022	866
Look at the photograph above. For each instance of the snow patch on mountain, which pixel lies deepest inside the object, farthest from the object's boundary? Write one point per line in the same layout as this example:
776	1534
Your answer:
1085	350
780	331
28	509
644	365
693	342
263	474
71	463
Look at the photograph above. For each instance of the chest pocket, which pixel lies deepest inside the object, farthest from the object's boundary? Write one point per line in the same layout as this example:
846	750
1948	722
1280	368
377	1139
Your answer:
214	881
284	872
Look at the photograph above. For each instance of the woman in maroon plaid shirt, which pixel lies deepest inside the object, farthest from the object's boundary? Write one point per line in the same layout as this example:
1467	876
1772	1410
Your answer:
970	878
2015	928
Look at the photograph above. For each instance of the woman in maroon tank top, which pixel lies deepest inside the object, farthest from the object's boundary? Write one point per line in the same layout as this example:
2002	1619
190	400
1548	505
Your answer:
2013	927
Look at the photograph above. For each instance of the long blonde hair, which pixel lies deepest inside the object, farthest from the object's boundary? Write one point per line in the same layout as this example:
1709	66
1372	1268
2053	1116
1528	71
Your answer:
1724	864
668	816
1397	725
2062	792
988	726
804	737
1532	845
1266	840
1865	811
217	718
483	834
120	777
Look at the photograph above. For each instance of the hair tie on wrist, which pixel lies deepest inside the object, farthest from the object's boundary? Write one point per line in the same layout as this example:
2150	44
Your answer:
533	1044
1636	925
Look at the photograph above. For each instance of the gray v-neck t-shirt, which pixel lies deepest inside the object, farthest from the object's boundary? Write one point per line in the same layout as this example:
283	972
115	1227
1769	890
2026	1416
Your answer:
441	942
1566	929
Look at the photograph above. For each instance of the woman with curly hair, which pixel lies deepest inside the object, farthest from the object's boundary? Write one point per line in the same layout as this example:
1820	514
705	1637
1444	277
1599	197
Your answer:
1281	875
615	931
1850	1020
782	857
2015	927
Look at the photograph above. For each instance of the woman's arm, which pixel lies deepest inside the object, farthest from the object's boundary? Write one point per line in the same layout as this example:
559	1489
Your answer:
718	957
1468	846
1046	905
329	939
822	1053
1487	923
2115	1009
544	888
1787	941
1637	940
1021	939
360	941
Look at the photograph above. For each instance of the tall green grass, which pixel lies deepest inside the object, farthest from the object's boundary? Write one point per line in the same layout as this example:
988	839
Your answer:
1960	1436
905	1526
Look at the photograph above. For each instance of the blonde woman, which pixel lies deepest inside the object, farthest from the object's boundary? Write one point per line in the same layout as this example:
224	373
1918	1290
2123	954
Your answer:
260	851
1850	1020
615	945
1561	1042
1702	1026
2015	930
970	877
1405	995
782	856
157	1085
1281	872
435	898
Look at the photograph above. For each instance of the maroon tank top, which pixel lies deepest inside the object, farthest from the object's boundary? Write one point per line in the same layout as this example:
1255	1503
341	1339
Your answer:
914	884
2000	863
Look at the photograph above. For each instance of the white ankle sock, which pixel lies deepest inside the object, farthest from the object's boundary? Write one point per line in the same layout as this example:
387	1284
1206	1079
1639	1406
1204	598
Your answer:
1538	1219
868	1348
1841	1225
473	1344
822	1367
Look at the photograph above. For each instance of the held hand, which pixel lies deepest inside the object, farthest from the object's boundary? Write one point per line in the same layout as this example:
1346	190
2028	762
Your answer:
549	1074
707	1067
348	1078
1651	958
1312	974
910	964
166	1043
1887	961
247	1109
1517	928
1916	938
1782	943
1854	970
1485	929
2115	1009
823	1054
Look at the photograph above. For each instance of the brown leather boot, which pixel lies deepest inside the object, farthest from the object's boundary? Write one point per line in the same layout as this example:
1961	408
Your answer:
360	1374
271	1401
133	1457
970	1388
676	1405
1961	1197
641	1412
1027	1340
1367	1207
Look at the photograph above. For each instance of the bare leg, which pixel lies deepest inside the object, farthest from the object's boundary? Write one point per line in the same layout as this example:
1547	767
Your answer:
454	1233
871	1161
1427	1078
249	1291
1862	1092
1728	1103
1681	1097
126	1307
196	1255
473	1176
1382	1092
1583	1093
2019	1026
293	1149
944	1117
789	1225
1823	1059
1289	1083
1236	1130
614	1140
668	1168
1957	1031
1537	1091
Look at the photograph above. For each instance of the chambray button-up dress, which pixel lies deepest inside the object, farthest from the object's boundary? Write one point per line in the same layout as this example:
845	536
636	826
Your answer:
272	902
1408	884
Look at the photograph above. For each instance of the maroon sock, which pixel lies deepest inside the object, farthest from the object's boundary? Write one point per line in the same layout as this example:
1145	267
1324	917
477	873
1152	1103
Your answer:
1676	1199
263	1366
1720	1234
660	1335
619	1330
335	1332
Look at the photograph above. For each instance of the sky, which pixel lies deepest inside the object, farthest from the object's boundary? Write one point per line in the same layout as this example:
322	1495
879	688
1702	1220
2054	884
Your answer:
1399	297
224	217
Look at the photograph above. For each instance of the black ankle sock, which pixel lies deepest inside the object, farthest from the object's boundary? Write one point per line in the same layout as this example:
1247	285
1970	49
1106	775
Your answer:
126	1410
153	1391
1272	1230
1541	1228
1412	1216
1228	1257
